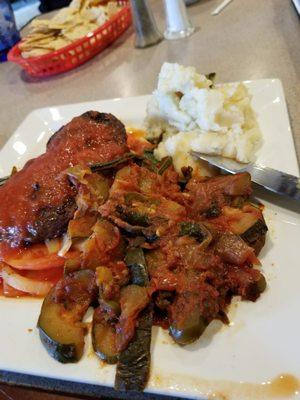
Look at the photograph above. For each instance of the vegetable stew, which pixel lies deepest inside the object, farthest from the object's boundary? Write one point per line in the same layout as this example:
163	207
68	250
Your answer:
151	248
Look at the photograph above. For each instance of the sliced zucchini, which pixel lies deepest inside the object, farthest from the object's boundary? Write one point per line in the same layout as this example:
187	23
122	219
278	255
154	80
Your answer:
187	324
254	289
248	223
134	362
135	223
193	327
148	234
248	283
59	324
104	337
136	263
198	231
213	211
255	236
132	217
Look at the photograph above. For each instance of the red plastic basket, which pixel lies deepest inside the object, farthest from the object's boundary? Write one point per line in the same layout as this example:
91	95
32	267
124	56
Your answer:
78	52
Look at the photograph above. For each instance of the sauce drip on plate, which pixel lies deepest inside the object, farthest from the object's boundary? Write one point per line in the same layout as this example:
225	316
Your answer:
283	386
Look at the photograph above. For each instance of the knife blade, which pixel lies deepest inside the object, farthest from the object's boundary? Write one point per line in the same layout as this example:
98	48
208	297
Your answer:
271	179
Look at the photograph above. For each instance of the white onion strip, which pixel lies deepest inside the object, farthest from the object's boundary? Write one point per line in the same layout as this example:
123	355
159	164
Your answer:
66	245
37	288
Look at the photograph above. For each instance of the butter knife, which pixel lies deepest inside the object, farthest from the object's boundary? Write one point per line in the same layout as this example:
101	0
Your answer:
271	179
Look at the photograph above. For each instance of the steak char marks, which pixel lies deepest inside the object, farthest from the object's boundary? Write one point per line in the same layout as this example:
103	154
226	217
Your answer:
37	202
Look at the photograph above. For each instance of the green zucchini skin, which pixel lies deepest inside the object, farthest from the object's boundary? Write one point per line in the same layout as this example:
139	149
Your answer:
213	211
60	333
134	362
193	229
138	221
136	263
193	329
104	338
255	236
64	353
102	166
132	217
186	322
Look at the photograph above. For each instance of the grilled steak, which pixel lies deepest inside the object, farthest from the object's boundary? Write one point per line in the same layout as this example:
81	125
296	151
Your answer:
37	202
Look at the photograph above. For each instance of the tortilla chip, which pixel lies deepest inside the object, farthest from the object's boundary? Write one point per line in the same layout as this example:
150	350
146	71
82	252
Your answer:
64	16
93	14
68	25
60	42
35	52
80	31
32	41
112	8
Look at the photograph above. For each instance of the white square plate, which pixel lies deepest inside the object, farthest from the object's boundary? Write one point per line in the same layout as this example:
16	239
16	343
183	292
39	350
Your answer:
238	361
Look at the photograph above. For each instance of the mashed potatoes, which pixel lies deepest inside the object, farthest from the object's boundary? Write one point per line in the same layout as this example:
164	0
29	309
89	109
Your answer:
190	113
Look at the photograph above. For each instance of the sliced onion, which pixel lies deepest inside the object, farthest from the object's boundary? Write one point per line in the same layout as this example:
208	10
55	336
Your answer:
66	245
19	282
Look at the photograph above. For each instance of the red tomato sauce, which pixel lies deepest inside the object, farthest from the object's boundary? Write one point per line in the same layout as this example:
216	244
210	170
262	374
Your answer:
42	182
